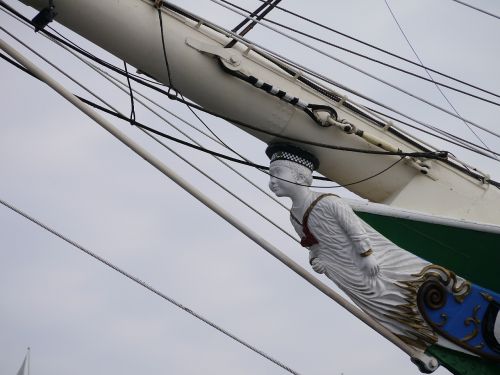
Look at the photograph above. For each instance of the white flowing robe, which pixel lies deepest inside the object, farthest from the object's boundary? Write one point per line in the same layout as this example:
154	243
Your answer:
342	237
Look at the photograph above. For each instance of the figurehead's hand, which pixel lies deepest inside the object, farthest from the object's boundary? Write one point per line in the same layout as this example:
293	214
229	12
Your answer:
318	265
369	266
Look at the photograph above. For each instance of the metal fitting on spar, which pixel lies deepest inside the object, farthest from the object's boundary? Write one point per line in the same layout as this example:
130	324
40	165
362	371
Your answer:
348	128
44	17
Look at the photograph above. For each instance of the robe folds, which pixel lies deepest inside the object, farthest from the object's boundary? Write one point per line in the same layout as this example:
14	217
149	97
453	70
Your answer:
389	297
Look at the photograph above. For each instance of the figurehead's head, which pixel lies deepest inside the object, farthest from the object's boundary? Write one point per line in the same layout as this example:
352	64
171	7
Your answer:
290	168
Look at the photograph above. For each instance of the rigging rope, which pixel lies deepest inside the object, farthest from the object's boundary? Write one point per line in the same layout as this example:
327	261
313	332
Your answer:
146	286
270	6
476	8
435	83
177	92
254	13
131	94
370	58
383	50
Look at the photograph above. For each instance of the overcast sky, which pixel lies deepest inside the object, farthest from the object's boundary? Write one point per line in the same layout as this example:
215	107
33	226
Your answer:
80	317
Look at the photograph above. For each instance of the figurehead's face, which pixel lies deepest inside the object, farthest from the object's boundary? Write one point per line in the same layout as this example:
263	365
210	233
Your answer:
287	177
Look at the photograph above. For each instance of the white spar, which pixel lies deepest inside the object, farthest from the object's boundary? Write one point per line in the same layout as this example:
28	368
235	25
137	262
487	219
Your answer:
130	30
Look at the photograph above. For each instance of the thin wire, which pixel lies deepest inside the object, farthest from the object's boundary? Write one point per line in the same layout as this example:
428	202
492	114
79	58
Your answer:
476	8
436	84
382	50
164	48
416	97
368	58
146	286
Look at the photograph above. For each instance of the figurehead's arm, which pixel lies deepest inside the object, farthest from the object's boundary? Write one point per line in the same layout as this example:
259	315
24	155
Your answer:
358	236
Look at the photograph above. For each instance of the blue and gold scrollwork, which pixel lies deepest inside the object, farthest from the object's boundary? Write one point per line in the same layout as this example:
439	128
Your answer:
465	314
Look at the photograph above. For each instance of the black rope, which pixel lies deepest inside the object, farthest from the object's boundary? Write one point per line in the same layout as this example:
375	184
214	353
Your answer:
251	25
254	13
170	82
430	155
262	168
177	92
259	17
131	93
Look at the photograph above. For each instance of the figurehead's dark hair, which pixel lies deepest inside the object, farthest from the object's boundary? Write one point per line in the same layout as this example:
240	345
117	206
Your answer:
286	151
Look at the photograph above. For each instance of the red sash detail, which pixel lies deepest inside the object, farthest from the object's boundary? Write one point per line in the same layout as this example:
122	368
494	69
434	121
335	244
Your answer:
309	239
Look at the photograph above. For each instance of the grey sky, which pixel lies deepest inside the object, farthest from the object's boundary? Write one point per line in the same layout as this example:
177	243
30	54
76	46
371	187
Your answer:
79	317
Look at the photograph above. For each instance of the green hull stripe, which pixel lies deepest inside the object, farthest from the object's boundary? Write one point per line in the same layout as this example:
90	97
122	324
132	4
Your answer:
463	364
472	254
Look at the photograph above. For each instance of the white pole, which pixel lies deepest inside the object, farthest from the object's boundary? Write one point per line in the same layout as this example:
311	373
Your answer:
271	249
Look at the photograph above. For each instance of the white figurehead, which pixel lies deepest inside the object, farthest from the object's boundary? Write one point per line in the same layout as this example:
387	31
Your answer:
380	277
291	176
